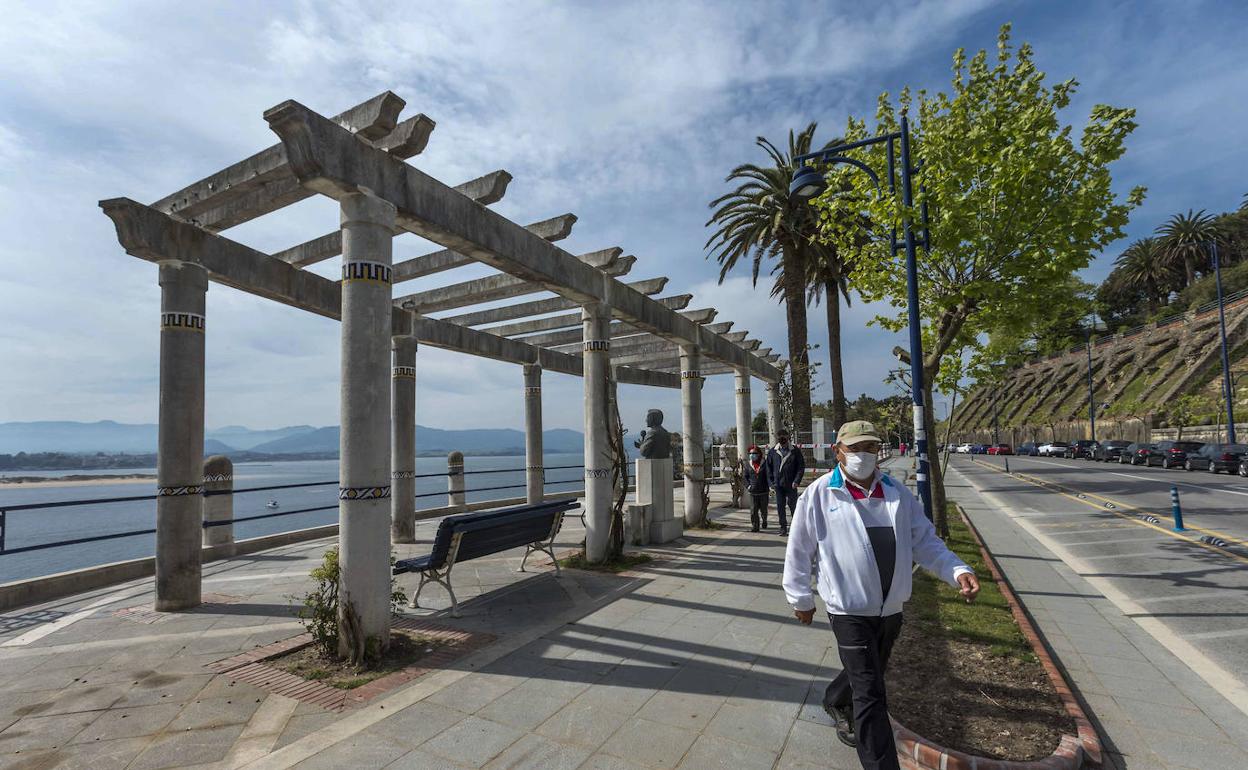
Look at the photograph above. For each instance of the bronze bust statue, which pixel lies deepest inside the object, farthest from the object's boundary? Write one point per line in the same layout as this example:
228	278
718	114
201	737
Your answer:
654	442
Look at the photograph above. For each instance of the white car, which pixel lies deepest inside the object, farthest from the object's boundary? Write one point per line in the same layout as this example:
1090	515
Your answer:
964	449
1053	449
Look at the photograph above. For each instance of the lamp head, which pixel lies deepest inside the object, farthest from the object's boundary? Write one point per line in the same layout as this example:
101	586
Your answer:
807	183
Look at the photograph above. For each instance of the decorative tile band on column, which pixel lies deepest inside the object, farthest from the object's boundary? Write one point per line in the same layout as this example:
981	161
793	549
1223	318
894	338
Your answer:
597	473
692	374
535	467
403	475
178	321
405	371
531	391
211	477
179	491
591	345
374	272
742	391
363	493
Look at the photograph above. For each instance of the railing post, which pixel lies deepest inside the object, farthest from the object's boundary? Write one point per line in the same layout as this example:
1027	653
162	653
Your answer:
455	479
218	500
1175	510
4	526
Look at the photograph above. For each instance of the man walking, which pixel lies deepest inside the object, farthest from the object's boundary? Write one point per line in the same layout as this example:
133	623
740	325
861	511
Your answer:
756	486
785	468
864	530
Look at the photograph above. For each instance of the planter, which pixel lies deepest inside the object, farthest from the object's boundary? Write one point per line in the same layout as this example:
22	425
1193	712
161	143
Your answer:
918	753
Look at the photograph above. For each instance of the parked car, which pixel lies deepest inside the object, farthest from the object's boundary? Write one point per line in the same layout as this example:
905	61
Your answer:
1108	451
1028	448
1172	454
979	449
1054	449
963	449
1000	449
1081	449
1136	453
1217	457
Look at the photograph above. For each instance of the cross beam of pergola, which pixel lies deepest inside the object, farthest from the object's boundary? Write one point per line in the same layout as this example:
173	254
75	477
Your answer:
359	158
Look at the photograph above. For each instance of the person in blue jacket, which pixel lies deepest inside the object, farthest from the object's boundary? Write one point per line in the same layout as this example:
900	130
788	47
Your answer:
785	469
757	488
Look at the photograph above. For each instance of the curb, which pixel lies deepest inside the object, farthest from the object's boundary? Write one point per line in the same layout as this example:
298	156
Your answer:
918	753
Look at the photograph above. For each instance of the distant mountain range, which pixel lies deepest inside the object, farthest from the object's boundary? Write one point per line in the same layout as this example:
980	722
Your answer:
109	436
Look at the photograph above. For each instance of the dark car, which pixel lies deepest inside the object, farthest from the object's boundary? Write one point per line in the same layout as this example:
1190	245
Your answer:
1217	457
979	449
1136	453
1028	449
1172	454
1107	451
1081	449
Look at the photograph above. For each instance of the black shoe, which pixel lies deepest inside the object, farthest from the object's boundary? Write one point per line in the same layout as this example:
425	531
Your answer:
843	719
764	524
849	739
754	529
784	533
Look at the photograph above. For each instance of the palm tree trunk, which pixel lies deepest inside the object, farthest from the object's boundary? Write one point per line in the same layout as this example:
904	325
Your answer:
832	301
799	358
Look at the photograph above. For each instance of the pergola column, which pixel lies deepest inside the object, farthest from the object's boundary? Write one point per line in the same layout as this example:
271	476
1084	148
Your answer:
180	442
694	469
596	317
403	437
365	486
773	413
745	434
534	473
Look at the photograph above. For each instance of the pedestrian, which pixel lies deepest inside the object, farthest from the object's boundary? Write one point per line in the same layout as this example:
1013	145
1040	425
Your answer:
785	468
757	487
864	530
902	449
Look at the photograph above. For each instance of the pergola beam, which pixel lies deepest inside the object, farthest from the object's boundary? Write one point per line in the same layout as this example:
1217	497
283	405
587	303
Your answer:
553	229
617	329
569	320
484	190
155	236
503	286
644	341
330	160
647	286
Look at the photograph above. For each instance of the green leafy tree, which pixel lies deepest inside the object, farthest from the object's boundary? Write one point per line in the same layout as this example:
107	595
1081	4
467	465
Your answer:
757	222
1187	409
1017	204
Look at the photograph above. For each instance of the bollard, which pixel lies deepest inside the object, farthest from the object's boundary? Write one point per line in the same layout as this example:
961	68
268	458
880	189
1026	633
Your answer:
1175	509
218	500
455	479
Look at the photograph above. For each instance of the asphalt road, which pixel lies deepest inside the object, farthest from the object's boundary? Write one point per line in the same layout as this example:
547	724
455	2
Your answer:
1197	590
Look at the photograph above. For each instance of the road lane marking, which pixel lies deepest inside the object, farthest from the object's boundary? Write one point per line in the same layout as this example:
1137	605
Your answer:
1186	597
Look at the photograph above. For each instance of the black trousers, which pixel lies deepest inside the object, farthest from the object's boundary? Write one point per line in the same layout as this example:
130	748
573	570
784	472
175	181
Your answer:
758	509
785	497
865	644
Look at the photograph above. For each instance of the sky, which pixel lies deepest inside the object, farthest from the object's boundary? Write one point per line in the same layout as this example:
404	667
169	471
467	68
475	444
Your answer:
627	114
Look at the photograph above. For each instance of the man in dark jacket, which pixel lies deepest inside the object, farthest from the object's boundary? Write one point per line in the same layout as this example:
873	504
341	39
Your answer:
757	487
785	468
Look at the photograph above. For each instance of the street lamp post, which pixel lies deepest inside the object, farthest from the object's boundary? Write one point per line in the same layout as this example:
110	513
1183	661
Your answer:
1227	388
809	182
1091	388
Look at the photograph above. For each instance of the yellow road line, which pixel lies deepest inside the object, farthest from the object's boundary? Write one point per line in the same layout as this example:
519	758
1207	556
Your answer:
1134	520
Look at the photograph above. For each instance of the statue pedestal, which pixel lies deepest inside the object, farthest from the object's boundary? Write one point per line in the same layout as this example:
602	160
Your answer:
655	489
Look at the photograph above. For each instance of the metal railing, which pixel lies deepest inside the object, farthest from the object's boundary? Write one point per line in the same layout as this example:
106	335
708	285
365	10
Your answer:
5	510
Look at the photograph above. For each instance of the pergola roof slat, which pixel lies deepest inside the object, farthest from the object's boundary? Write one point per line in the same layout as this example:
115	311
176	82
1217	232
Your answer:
541	306
553	229
568	320
618	329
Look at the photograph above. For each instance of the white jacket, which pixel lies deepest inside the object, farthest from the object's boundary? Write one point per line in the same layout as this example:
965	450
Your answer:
827	527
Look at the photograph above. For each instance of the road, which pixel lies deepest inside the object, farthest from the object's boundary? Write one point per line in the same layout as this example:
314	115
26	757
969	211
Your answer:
1096	517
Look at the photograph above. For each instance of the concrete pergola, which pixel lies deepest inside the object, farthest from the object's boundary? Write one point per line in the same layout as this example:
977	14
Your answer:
617	331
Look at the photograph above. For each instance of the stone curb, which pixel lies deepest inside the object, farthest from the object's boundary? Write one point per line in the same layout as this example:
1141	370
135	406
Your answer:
918	753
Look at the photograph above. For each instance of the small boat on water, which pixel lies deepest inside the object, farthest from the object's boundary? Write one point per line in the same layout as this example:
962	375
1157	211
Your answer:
271	504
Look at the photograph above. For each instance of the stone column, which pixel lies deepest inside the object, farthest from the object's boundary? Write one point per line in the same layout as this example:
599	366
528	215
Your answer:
364	486
455	479
818	436
180	444
745	435
773	413
219	500
403	436
596	319
534	473
694	469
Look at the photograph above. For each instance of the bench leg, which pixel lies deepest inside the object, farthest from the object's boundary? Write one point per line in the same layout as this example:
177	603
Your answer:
415	600
544	547
442	578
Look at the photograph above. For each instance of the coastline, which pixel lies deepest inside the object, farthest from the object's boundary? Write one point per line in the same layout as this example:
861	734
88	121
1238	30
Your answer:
36	482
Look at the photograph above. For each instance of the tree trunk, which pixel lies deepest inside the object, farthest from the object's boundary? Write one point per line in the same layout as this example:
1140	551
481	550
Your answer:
794	283
832	301
935	474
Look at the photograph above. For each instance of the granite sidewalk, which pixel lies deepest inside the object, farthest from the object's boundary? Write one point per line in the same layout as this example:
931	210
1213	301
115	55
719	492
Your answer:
692	660
1150	707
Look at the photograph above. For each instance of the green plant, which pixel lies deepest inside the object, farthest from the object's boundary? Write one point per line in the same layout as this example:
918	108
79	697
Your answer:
319	613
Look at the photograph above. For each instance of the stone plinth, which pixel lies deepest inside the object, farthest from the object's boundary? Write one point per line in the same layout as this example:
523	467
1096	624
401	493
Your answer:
655	489
636	524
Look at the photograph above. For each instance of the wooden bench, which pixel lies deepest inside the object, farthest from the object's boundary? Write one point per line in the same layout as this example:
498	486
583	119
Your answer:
467	536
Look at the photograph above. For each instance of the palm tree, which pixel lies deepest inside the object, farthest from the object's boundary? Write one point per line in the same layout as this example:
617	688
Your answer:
757	221
1145	268
1185	240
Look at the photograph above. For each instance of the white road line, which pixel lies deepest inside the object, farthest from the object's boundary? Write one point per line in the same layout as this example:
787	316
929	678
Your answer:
1157	479
1108	541
1219	634
35	634
1228	593
1155	552
1216	676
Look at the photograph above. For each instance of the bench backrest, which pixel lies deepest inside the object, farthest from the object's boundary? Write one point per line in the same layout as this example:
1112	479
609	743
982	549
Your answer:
488	532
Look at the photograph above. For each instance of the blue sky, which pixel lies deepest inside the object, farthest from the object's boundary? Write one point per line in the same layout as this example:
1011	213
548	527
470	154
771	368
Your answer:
626	114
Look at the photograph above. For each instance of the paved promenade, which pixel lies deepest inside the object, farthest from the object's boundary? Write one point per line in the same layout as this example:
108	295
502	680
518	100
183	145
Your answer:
1154	708
690	661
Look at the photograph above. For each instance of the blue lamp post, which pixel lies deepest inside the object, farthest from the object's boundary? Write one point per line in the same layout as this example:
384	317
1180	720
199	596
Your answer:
1228	389
809	182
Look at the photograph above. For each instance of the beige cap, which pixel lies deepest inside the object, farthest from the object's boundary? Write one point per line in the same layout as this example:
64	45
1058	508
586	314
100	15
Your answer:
855	431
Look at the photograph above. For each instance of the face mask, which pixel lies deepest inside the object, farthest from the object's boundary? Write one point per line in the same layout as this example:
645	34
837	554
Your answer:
755	457
860	465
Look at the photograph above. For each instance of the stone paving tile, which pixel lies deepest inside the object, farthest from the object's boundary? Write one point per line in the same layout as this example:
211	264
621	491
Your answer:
45	732
537	751
473	741
755	726
608	762
653	744
187	747
124	723
575	724
417	723
475	691
364	750
713	752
